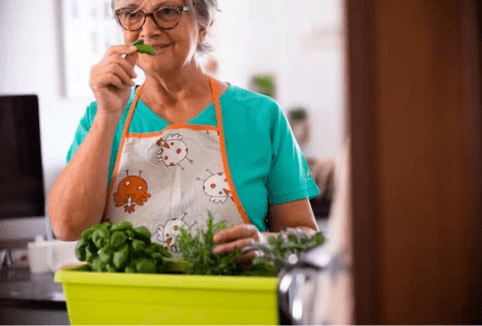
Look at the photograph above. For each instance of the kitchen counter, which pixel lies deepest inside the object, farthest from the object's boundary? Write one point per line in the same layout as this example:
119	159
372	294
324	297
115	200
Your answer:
31	299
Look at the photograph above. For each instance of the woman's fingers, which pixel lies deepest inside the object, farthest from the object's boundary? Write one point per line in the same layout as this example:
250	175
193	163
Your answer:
121	50
125	64
132	57
115	81
237	232
227	248
109	74
249	256
242	237
122	74
119	59
112	78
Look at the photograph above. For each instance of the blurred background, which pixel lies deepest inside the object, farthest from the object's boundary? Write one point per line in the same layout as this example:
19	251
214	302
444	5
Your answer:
50	47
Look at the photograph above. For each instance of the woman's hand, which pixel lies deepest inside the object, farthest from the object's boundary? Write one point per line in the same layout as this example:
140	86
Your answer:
242	236
111	79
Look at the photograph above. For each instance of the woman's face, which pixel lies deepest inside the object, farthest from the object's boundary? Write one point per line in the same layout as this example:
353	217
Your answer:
175	48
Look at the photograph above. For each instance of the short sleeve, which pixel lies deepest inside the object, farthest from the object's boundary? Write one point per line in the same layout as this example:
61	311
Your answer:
289	178
82	129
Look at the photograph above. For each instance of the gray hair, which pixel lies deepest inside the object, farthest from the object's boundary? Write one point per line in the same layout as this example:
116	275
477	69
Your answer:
204	12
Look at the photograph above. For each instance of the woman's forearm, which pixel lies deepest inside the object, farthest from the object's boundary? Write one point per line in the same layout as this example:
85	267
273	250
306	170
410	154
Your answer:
77	198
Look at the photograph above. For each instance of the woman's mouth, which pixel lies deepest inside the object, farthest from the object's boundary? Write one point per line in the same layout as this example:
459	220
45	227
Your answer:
159	47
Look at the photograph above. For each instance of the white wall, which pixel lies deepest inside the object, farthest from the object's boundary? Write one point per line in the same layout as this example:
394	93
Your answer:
266	36
30	56
29	63
251	36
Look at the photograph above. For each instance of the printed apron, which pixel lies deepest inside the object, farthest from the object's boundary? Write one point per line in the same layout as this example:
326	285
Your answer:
170	179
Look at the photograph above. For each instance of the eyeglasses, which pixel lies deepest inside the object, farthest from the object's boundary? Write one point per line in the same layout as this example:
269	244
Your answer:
164	17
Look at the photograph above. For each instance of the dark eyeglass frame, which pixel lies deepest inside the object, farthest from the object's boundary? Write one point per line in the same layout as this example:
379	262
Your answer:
181	9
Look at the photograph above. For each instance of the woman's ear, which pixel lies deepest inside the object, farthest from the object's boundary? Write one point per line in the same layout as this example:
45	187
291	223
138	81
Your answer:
202	35
202	32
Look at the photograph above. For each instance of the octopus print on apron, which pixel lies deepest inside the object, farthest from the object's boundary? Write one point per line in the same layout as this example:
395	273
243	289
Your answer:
170	179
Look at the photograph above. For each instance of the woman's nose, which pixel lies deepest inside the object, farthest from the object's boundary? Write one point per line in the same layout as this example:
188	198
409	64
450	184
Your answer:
150	27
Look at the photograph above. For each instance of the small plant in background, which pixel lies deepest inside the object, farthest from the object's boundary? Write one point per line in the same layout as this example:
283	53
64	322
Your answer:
298	118
297	114
264	84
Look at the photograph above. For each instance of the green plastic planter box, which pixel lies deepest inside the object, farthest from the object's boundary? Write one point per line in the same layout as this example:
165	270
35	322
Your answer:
174	299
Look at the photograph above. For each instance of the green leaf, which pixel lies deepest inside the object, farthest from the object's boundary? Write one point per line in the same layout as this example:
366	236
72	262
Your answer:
105	257
277	248
121	257
80	250
121	225
142	233
100	237
118	239
144	48
110	268
146	266
138	245
86	234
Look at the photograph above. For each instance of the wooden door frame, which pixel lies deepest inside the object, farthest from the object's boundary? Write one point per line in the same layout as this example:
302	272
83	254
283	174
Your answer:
362	126
472	147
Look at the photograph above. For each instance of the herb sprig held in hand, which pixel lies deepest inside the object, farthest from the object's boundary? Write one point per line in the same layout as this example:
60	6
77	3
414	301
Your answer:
144	48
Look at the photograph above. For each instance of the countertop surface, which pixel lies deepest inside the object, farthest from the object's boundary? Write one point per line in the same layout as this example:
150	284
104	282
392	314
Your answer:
18	285
31	299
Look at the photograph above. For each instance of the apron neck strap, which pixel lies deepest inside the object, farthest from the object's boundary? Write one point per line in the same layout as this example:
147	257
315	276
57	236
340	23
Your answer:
125	131
214	91
217	104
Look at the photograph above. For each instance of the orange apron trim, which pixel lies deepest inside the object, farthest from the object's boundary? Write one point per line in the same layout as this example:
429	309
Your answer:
176	126
224	156
125	132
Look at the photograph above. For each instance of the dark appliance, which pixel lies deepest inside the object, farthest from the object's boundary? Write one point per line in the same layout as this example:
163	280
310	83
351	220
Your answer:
21	177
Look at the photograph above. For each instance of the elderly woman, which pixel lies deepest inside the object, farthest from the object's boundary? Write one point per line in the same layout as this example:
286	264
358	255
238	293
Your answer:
165	153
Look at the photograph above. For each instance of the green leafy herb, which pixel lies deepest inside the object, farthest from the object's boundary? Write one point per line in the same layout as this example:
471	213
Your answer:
279	247
120	247
197	250
144	48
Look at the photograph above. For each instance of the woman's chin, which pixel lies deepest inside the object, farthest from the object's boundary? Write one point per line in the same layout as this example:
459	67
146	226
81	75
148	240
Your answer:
166	68
157	67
